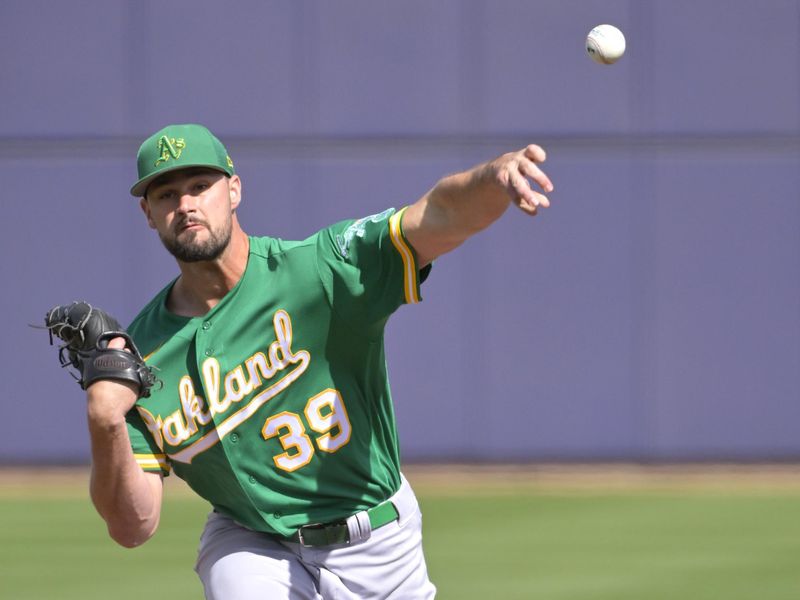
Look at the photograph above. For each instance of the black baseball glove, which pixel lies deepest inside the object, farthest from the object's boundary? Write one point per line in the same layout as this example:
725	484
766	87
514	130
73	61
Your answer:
86	331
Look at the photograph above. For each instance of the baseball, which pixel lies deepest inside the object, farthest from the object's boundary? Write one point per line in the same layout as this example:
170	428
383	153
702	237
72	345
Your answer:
605	44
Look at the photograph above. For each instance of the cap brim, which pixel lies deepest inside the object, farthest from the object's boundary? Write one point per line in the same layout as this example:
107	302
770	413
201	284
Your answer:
139	189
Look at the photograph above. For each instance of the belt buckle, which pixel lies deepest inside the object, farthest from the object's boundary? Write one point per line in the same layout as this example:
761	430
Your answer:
300	533
325	529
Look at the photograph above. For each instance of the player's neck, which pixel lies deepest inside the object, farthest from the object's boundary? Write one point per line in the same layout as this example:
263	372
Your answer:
202	285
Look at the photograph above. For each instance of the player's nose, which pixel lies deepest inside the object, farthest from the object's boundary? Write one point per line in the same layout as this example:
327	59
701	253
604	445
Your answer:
187	202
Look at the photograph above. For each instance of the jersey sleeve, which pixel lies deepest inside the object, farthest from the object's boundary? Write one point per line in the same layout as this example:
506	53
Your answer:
369	267
148	455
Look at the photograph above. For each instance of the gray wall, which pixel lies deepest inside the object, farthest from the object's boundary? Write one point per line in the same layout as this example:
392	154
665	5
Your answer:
652	313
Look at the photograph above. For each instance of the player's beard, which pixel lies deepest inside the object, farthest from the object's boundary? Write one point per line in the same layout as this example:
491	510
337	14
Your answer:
187	247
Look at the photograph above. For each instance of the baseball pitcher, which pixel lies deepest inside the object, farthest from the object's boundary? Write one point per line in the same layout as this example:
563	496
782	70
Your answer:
259	377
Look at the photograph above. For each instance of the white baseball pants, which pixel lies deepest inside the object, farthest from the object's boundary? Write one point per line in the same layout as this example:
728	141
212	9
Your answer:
236	563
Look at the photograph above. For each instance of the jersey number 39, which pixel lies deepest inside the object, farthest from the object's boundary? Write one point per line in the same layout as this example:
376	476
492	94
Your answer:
325	414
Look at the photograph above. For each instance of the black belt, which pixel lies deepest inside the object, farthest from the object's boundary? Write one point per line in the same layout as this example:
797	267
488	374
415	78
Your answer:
327	534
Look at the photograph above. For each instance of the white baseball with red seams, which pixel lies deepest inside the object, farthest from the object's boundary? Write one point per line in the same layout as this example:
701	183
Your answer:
605	44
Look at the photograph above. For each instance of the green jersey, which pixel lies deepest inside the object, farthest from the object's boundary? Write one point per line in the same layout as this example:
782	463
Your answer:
275	405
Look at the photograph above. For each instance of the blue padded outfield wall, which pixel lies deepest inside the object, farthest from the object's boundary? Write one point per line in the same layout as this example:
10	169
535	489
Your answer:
653	313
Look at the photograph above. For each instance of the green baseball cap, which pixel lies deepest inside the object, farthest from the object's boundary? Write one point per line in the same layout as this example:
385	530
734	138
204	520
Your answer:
179	147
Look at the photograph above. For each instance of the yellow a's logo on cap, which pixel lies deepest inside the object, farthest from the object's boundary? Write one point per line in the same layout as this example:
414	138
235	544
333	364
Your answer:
169	148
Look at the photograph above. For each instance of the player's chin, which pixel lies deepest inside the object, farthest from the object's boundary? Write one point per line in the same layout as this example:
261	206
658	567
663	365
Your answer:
199	250
193	239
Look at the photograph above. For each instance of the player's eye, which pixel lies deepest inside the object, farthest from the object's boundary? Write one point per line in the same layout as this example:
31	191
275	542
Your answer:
165	195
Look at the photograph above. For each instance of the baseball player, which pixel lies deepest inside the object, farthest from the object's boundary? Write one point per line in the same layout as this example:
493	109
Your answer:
272	400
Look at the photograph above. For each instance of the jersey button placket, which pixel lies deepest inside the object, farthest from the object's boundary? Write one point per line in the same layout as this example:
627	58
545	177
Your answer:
204	329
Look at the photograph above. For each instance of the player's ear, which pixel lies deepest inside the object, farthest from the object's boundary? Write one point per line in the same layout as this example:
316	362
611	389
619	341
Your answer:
145	206
235	191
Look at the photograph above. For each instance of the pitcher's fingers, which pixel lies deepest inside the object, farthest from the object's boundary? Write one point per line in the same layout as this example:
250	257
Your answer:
529	200
536	200
525	206
530	169
521	188
524	189
541	199
535	153
117	342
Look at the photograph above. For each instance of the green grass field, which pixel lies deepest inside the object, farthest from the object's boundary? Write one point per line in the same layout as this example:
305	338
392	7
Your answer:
483	539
